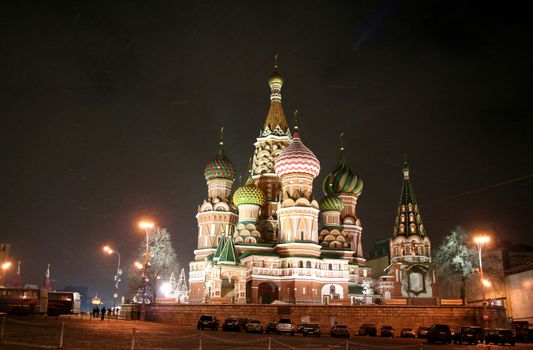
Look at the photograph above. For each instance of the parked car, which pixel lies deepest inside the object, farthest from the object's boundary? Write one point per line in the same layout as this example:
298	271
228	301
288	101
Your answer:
422	332
207	321
285	325
500	336
368	329
407	333
271	328
254	326
340	330
311	329
231	324
470	335
300	327
387	331
439	333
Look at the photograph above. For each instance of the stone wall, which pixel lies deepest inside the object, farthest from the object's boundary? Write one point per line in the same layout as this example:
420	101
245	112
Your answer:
398	316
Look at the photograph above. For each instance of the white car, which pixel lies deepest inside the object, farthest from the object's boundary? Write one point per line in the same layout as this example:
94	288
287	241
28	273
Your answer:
285	325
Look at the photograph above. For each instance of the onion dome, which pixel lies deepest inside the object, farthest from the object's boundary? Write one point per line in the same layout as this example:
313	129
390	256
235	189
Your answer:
342	179
249	194
297	159
331	203
220	167
275	78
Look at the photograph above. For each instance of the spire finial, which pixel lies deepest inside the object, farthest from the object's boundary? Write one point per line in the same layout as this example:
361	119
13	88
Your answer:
295	116
341	141
250	167
405	167
276	61
221	138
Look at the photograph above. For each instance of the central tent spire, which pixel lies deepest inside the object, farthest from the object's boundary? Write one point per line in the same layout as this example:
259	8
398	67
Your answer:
275	122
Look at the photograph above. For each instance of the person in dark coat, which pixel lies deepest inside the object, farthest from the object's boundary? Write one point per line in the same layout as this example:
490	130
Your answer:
102	313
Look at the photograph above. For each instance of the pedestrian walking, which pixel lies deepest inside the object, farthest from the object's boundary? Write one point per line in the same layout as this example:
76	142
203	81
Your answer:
102	313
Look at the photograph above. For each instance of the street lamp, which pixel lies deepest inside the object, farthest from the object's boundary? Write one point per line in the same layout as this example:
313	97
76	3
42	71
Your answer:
481	240
147	227
107	249
5	266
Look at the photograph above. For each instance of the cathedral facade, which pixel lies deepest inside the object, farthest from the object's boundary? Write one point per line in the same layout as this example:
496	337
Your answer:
270	240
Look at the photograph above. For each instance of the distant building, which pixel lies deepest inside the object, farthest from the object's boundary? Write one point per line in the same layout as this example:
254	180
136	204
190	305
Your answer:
509	268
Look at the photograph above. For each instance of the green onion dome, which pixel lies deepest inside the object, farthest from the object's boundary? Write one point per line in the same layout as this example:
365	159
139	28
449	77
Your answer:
331	203
220	167
249	194
342	179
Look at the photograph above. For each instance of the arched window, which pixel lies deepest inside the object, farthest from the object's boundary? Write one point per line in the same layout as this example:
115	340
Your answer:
302	235
283	264
308	264
300	264
330	267
402	218
332	289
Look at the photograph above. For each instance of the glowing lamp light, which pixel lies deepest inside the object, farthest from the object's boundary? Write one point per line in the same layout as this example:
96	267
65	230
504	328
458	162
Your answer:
481	239
486	283
138	265
6	265
165	288
107	249
146	225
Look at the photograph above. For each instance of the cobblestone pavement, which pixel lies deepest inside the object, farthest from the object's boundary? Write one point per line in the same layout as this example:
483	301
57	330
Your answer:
35	333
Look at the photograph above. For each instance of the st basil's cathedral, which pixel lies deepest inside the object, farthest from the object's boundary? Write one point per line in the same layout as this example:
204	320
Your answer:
264	244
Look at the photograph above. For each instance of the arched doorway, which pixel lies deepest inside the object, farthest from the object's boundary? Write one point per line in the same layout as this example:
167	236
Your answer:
267	293
228	288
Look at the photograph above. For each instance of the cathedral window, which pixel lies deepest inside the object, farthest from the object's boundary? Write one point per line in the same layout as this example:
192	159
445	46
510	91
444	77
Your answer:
411	217
402	228
308	264
402	218
413	228
330	267
300	264
283	264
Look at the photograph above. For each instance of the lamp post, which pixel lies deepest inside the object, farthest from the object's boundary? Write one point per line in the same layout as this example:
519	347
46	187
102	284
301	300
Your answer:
147	227
117	279
480	241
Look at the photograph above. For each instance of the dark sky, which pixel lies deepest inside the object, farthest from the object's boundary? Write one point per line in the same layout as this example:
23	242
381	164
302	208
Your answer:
110	111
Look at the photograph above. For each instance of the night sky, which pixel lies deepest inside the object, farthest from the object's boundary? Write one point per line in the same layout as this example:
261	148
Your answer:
110	111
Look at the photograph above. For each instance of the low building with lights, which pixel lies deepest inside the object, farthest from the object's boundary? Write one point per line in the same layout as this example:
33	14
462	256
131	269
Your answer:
264	243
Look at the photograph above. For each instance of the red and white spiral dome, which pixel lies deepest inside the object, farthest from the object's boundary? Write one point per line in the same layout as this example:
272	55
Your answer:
297	159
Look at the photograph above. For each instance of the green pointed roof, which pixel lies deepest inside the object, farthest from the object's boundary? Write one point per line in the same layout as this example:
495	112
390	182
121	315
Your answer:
408	219
342	179
229	256
220	246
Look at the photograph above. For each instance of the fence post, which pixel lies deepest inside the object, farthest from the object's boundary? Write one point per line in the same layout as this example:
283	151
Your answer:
347	347
61	335
2	329
133	339
201	341
269	343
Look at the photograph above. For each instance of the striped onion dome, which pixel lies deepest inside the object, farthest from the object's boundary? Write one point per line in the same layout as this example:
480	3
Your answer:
297	159
331	203
342	179
249	194
220	167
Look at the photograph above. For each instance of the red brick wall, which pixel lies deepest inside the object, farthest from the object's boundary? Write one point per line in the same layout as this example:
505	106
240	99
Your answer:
398	316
